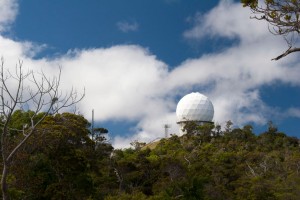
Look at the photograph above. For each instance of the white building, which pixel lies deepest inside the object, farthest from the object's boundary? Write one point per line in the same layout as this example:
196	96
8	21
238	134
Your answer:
194	107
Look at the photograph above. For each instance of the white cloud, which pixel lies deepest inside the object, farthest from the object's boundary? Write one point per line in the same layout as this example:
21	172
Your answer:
126	26
228	19
122	82
127	82
293	112
8	12
238	72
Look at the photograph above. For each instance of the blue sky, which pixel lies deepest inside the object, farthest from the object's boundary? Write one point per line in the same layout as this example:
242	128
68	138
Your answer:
156	25
137	58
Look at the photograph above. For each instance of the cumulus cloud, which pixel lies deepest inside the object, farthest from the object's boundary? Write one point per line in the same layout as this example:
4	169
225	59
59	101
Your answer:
126	26
293	112
123	81
237	73
220	22
127	82
8	12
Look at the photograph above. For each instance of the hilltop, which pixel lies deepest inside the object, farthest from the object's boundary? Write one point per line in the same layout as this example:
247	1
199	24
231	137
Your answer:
63	162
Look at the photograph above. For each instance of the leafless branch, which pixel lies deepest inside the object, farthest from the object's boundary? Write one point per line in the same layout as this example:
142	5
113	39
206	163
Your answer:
287	52
187	160
251	170
283	17
40	93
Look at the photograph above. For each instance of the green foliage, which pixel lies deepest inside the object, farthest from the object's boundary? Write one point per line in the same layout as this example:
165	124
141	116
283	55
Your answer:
235	164
250	3
62	162
125	196
137	145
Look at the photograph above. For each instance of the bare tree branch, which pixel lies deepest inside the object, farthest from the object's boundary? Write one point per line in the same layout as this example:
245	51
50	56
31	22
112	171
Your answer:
287	52
283	17
36	91
251	170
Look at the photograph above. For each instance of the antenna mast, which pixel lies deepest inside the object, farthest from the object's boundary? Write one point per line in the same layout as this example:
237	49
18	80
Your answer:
167	126
92	131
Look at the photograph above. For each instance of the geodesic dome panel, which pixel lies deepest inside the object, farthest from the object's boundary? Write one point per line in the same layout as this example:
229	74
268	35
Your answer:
195	107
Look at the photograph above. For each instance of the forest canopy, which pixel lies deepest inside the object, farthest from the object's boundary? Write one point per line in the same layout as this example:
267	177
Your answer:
61	161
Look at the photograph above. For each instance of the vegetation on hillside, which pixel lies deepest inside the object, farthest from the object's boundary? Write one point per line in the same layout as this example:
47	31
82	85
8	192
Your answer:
61	161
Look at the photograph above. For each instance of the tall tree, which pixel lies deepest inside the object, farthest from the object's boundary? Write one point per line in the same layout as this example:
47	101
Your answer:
18	91
282	15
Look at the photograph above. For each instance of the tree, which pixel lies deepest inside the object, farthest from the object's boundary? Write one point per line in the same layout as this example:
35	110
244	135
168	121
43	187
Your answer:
21	90
282	15
60	161
137	145
98	135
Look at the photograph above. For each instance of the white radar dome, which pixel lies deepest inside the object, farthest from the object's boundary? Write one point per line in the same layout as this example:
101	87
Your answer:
194	107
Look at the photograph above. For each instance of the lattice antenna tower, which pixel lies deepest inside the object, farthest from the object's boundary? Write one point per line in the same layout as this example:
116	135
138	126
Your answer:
166	127
92	126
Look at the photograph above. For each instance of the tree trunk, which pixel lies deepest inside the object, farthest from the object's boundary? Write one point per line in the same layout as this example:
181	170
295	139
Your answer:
4	183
